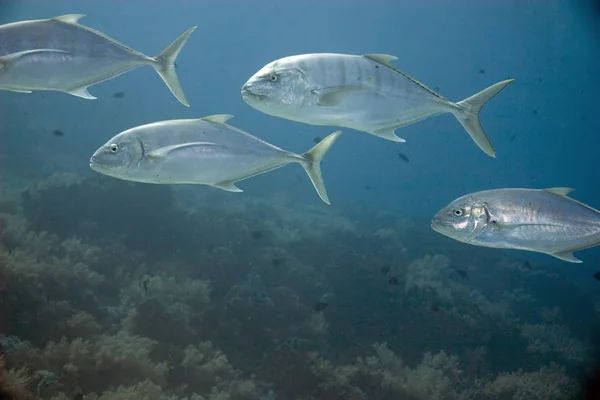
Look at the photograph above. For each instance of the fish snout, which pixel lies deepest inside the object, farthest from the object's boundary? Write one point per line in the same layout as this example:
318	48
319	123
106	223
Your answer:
253	91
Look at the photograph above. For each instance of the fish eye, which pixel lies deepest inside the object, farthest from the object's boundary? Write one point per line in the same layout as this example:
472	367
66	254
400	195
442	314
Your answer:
458	212
273	77
114	148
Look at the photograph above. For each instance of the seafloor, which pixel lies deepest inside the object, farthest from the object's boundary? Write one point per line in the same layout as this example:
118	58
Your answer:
116	291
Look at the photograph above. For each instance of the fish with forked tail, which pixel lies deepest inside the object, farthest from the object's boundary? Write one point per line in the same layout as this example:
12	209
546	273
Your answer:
205	151
60	54
362	92
538	220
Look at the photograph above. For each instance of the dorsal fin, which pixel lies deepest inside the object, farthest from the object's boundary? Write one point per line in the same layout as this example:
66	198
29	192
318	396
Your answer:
69	18
218	118
385	59
559	191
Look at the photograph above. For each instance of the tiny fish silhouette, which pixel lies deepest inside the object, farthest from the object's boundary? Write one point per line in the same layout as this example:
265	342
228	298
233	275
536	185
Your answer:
119	95
513	137
320	306
145	283
385	269
534	111
276	262
597	276
403	157
462	273
393	281
482	71
57	132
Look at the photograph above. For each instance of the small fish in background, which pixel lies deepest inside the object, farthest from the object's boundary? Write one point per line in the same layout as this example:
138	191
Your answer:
463	274
70	57
145	284
276	262
393	281
317	139
362	92
597	276
385	269
403	157
204	151
320	306
534	111
368	187
119	95
539	220
482	71
57	133
512	138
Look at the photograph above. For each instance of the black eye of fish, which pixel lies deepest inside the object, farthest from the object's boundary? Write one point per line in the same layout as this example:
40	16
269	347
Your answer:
114	148
458	212
273	78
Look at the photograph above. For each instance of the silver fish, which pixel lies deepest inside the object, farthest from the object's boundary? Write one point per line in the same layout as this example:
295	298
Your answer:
539	220
62	55
205	151
362	92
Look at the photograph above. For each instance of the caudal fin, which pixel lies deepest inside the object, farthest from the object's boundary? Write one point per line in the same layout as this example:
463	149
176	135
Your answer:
467	114
165	65
312	164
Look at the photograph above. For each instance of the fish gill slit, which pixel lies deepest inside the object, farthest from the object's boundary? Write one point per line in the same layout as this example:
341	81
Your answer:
143	150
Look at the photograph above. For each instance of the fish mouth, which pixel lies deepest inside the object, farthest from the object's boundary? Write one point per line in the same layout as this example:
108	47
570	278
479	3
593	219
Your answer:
247	93
437	224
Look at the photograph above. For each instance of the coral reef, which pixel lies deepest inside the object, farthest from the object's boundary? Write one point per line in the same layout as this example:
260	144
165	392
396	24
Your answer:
146	292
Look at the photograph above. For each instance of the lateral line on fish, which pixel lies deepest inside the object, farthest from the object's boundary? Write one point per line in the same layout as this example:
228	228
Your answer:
404	74
104	36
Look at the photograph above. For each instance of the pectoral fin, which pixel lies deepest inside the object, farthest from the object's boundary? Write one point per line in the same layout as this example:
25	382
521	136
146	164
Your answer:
19	91
12	57
331	97
163	152
567	256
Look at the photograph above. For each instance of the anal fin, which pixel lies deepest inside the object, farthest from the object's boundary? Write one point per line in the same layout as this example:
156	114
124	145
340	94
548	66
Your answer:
82	92
228	186
567	256
388	133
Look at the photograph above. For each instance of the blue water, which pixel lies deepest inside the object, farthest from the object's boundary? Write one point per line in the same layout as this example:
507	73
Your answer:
544	126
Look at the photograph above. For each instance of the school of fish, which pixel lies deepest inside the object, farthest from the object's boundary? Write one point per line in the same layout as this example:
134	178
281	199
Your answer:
362	92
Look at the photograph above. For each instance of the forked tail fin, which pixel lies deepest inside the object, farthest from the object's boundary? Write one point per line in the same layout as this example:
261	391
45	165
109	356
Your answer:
165	65
468	111
312	164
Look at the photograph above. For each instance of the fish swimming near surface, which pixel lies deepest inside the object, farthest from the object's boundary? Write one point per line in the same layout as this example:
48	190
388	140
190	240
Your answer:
362	92
60	54
204	151
538	220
